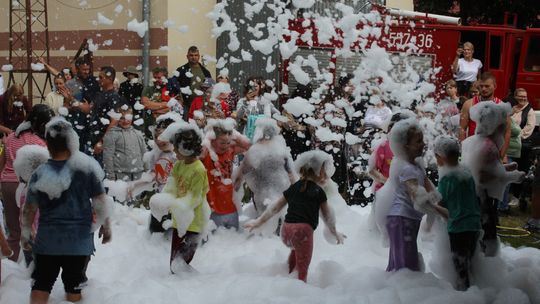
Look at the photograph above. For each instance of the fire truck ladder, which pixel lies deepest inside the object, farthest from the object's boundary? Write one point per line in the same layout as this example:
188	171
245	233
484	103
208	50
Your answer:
29	40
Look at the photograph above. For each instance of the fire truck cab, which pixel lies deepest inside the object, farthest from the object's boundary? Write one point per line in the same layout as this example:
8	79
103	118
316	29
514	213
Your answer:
511	54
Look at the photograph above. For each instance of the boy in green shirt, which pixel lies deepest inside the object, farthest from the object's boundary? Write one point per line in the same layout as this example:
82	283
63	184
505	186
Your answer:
457	188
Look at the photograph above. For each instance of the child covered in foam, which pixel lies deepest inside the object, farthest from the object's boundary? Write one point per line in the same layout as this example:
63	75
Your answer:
160	160
184	195
68	191
481	153
457	188
408	195
267	167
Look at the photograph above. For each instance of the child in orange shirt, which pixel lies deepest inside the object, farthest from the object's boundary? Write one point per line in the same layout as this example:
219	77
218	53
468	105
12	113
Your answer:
222	143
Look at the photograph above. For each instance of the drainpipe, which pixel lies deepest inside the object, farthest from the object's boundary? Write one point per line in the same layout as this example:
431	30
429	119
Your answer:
146	43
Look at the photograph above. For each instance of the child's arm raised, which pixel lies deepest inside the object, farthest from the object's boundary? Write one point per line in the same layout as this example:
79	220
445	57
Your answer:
267	214
241	142
329	219
289	164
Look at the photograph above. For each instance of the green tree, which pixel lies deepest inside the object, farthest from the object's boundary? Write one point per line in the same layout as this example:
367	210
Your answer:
484	11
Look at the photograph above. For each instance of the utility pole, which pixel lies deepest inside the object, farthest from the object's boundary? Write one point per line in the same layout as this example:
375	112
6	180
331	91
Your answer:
146	44
28	41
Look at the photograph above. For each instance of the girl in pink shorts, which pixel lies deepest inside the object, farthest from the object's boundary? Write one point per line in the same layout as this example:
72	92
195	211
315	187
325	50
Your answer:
304	199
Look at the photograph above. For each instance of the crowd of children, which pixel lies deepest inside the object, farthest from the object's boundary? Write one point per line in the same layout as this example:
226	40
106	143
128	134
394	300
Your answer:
191	177
467	195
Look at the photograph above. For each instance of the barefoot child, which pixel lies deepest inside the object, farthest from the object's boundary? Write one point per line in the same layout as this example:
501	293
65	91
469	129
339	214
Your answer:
221	145
456	186
184	195
304	199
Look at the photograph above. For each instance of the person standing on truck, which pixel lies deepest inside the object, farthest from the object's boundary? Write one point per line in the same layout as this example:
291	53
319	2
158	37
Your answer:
467	69
487	85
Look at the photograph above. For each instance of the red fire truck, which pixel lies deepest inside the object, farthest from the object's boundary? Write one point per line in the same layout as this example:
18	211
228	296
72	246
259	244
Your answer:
511	54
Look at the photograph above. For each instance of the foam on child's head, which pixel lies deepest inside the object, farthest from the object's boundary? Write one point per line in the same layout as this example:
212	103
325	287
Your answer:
398	116
175	117
219	88
58	128
315	160
165	120
28	158
446	146
489	116
265	128
186	137
221	126
399	136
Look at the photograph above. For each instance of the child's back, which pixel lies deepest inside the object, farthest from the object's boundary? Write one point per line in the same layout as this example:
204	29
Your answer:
458	192
58	224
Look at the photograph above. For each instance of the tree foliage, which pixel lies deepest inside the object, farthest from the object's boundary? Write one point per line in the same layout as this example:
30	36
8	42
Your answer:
484	11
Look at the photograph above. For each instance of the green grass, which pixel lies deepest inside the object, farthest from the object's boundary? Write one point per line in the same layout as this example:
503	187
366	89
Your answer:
516	219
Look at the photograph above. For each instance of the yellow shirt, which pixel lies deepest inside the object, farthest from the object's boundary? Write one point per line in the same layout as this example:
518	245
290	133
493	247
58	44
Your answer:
190	180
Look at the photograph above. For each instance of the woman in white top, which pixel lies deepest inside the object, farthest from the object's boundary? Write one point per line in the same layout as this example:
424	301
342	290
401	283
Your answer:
61	96
467	69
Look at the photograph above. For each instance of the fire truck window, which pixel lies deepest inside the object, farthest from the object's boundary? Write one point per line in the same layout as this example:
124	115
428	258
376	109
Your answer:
495	48
532	59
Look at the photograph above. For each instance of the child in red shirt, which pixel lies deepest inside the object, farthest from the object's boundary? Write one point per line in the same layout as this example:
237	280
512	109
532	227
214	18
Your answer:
379	162
222	143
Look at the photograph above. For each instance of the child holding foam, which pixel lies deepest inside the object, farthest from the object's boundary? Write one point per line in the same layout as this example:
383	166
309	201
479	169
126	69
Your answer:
184	195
